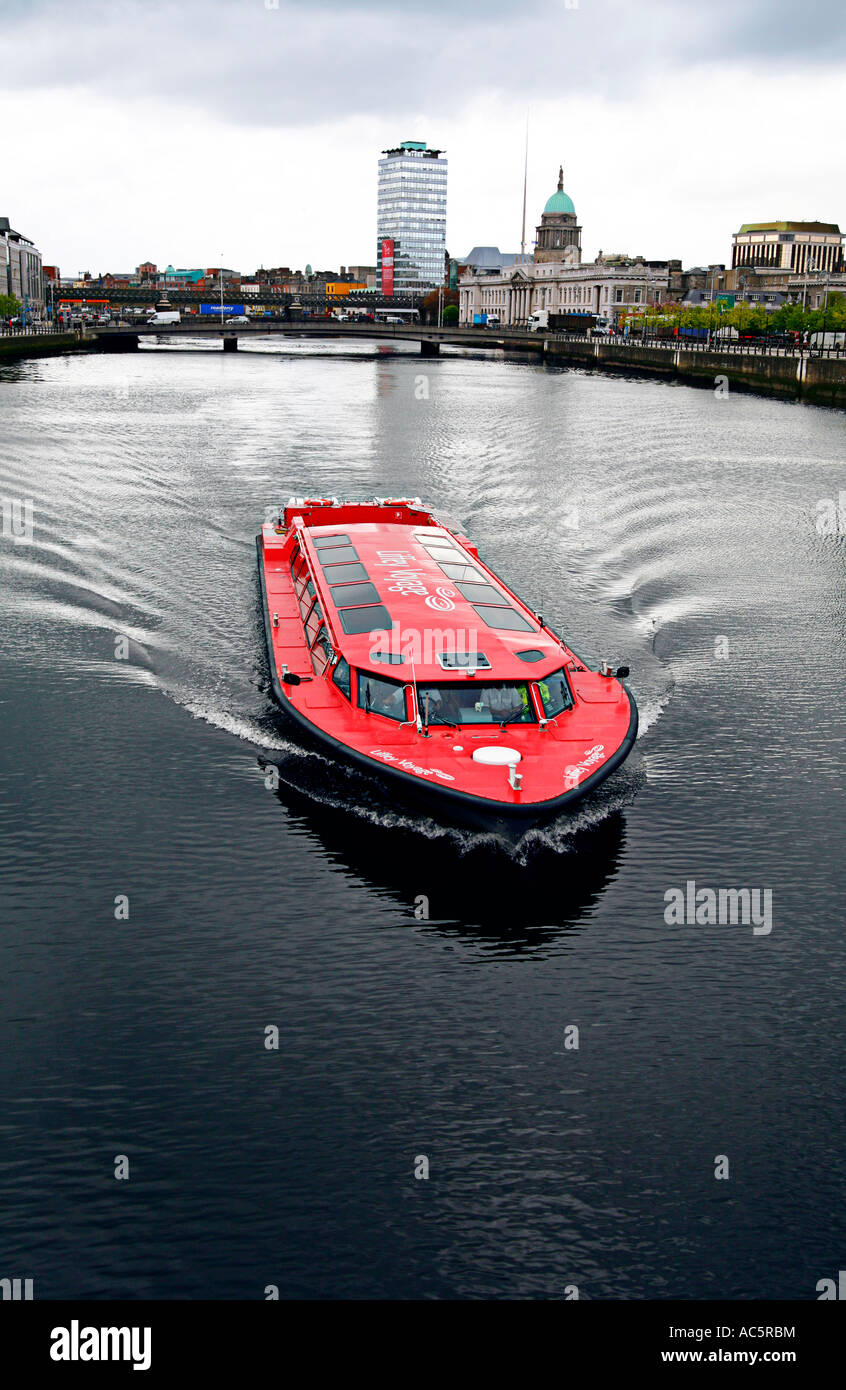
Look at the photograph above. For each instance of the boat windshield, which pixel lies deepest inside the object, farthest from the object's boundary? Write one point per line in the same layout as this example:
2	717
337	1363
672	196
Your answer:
379	696
555	694
472	703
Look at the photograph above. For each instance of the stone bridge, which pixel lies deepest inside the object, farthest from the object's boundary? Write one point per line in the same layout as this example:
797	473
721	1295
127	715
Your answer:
125	338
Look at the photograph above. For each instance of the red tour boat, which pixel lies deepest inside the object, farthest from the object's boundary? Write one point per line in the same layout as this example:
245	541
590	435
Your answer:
391	640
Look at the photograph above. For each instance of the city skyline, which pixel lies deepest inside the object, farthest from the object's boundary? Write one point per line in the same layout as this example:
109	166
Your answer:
237	154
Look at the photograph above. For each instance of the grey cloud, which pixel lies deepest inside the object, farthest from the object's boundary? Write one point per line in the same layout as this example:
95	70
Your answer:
304	63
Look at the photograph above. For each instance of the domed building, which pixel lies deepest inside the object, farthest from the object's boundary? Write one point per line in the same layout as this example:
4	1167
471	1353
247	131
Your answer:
559	236
600	293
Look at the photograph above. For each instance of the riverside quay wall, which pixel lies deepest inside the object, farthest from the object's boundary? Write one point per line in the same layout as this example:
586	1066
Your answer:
792	376
15	345
818	380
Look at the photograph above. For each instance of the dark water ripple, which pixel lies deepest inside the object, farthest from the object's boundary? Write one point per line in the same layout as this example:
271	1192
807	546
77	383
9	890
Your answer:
655	525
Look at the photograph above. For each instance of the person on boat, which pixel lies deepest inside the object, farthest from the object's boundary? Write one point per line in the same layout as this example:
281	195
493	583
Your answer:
439	705
507	701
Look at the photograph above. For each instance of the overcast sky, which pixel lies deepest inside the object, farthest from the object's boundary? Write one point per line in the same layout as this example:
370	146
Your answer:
201	131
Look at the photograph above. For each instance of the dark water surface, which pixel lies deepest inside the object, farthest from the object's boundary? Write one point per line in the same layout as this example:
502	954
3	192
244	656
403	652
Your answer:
653	524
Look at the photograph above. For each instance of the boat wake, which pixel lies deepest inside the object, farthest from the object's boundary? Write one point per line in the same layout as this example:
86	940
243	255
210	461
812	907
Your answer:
261	735
651	709
352	793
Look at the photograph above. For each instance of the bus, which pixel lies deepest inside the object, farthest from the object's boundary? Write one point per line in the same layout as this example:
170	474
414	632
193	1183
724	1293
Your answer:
383	315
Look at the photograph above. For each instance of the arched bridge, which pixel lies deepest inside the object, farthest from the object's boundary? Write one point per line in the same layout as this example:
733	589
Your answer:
120	337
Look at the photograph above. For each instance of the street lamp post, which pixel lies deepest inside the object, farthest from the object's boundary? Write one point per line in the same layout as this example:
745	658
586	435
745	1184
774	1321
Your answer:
741	281
810	265
711	309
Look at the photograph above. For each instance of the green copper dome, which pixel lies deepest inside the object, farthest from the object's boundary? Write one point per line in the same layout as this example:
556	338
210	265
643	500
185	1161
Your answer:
560	202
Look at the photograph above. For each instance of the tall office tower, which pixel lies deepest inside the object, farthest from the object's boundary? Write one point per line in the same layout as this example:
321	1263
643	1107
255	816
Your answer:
411	217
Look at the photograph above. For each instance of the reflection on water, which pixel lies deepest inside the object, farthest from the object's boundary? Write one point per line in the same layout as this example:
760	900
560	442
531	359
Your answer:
653	526
484	893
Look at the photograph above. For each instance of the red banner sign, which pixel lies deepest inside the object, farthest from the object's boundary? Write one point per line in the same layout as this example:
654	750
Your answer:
387	266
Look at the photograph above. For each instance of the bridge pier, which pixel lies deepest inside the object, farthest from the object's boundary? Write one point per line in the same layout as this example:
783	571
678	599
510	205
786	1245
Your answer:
430	349
230	342
123	342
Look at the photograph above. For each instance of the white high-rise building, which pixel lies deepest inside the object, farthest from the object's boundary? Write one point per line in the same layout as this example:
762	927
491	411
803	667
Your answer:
411	212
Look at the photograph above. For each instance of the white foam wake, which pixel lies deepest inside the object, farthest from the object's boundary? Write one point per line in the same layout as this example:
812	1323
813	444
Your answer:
249	730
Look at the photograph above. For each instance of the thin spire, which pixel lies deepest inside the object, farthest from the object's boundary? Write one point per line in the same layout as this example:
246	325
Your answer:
525	180
561	178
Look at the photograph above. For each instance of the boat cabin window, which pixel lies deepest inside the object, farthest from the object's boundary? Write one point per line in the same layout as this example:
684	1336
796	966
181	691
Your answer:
444	556
321	652
315	618
463	661
555	694
341	677
329	542
465	573
344	574
354	595
380	696
472	703
341	556
436	543
483	593
298	564
299	572
507	618
306	599
436	548
374	618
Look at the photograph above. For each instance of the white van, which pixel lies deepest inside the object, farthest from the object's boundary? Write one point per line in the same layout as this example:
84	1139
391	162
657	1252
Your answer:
828	340
492	321
162	316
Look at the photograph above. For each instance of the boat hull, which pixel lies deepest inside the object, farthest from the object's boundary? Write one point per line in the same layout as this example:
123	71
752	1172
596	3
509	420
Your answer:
462	808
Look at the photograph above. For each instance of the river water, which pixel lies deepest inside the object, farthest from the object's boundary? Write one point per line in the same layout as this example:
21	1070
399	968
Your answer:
164	904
